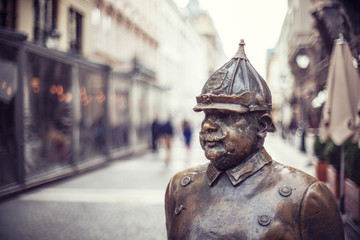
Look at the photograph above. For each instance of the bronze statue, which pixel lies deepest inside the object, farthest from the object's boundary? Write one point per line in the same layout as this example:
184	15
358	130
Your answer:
242	193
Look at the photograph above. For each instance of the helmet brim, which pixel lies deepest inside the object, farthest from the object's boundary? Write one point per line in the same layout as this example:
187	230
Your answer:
221	106
228	107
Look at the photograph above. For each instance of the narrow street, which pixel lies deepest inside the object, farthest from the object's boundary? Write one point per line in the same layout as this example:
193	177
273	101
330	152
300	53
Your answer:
124	200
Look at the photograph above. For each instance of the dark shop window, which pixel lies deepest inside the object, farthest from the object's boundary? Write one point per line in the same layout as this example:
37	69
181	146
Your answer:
48	116
8	91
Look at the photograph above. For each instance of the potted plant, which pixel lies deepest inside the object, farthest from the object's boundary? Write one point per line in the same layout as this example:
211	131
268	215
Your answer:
332	154
321	165
352	183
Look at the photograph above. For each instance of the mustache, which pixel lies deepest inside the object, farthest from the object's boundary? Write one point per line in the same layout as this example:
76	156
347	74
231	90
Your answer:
211	138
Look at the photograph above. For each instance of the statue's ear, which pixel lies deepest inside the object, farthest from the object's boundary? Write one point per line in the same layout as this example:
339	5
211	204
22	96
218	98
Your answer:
265	125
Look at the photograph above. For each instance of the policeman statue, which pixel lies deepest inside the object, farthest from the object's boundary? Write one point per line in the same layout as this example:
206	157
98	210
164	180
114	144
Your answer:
243	193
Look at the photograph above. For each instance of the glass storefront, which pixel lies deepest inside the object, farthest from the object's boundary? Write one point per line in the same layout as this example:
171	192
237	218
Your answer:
59	116
120	122
142	129
8	91
93	109
48	114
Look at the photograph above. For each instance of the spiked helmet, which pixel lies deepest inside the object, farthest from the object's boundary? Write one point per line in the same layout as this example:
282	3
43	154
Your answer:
236	86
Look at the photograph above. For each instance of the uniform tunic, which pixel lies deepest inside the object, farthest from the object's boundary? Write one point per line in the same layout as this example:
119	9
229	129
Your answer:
258	199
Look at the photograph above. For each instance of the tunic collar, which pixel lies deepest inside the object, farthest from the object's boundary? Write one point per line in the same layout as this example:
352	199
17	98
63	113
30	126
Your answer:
242	171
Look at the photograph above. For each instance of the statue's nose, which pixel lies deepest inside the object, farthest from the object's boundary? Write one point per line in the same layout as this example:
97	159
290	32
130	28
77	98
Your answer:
209	125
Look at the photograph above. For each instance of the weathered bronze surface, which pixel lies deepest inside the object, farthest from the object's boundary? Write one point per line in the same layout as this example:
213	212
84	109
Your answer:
242	193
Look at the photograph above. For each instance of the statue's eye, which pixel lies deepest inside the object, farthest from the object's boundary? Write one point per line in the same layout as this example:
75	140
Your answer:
223	114
227	114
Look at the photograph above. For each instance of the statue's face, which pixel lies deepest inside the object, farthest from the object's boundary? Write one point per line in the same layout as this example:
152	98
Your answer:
227	138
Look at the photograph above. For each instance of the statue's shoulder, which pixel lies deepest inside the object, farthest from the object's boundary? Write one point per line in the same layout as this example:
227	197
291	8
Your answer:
186	178
191	172
290	174
318	214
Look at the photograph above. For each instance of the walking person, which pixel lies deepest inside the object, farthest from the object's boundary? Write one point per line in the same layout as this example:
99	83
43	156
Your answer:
167	135
187	134
155	134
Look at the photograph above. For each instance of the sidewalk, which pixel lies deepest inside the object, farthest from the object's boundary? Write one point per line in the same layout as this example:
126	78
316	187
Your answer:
124	200
289	154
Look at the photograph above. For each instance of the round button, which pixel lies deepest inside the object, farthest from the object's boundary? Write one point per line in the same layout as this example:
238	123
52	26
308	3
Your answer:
264	220
186	180
285	191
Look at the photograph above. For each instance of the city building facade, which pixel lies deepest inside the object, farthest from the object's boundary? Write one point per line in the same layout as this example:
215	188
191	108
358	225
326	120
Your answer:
308	33
290	83
297	71
84	79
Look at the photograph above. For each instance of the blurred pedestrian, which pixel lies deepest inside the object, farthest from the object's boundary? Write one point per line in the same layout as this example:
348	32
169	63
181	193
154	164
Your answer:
187	133
167	135
155	134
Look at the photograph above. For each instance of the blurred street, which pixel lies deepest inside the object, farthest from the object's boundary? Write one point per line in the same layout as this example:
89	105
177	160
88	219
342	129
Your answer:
85	83
124	200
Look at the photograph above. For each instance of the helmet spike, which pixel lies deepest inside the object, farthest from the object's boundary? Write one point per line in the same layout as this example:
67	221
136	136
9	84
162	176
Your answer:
241	51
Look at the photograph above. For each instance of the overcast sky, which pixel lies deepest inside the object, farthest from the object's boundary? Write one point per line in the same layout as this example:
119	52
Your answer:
258	22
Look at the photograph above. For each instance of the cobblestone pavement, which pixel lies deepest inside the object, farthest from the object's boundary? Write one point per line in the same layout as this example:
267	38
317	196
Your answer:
124	200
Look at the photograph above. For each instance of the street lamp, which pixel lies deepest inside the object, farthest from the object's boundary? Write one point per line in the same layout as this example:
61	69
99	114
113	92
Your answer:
52	40
303	60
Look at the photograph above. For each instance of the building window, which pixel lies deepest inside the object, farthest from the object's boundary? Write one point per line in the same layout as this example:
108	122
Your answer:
96	28
95	17
45	21
75	31
7	14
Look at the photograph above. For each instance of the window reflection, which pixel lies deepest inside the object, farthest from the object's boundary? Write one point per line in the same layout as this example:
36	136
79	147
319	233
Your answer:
120	115
48	118
8	80
92	122
143	126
